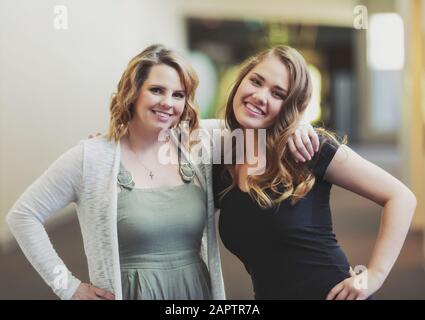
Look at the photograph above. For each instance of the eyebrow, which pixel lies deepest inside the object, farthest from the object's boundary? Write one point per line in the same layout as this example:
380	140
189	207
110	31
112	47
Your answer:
277	87
162	87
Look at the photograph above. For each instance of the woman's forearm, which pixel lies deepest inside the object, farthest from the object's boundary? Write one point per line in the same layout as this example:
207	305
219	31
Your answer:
34	242
54	190
395	221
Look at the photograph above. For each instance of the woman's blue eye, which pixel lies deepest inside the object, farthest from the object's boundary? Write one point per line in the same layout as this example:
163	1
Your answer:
156	90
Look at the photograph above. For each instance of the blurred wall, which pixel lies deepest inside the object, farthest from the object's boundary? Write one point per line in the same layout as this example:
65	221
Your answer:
55	85
413	115
327	12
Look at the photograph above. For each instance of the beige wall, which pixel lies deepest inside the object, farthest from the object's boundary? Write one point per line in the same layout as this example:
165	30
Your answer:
326	12
412	133
55	85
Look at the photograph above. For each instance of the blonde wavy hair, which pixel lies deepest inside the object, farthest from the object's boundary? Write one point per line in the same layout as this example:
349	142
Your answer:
283	177
122	103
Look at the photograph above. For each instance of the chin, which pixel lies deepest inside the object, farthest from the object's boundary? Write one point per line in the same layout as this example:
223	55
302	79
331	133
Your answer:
249	123
163	126
158	126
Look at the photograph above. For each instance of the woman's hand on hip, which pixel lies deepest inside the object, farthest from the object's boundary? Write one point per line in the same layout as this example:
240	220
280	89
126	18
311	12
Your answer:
357	287
89	292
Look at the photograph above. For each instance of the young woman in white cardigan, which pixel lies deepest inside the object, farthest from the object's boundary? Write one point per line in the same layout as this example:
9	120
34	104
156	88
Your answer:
148	228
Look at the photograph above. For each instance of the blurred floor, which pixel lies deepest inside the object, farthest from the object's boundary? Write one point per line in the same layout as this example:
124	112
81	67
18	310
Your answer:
356	223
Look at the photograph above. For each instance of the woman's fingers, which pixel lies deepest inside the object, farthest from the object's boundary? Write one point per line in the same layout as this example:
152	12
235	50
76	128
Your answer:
343	294
298	157
109	296
300	145
307	143
102	293
314	138
335	291
346	290
87	291
352	296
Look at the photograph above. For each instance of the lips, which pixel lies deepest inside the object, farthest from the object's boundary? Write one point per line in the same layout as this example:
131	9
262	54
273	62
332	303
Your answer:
253	109
162	115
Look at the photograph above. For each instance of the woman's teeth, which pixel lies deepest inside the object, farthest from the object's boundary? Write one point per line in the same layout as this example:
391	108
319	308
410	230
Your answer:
254	109
162	115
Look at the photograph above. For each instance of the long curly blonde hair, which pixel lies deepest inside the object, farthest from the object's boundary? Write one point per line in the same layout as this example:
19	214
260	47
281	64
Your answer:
122	103
283	177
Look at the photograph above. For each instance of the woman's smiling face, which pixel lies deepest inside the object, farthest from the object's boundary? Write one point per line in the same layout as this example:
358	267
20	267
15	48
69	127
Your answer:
161	100
260	96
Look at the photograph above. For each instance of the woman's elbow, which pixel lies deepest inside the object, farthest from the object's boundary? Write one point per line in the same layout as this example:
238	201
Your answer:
15	219
11	219
409	199
403	196
412	199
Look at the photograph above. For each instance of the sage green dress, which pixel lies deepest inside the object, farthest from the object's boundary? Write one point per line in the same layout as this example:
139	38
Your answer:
159	235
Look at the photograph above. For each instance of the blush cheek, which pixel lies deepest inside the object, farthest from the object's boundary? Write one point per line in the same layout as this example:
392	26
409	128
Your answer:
272	118
178	115
239	113
180	110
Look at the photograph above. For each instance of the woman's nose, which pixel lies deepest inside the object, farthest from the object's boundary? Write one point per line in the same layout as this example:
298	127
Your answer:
260	96
167	101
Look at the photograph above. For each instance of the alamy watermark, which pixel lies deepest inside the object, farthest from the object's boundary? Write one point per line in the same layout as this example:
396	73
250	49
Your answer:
60	19
361	281
360	19
219	146
61	280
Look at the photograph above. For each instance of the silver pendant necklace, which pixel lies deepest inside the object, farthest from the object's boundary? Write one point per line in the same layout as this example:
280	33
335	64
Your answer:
151	175
150	171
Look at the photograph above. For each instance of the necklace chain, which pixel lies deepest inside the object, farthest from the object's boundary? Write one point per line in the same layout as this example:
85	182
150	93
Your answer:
151	175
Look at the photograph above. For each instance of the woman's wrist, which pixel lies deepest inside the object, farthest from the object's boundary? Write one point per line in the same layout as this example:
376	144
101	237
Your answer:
376	277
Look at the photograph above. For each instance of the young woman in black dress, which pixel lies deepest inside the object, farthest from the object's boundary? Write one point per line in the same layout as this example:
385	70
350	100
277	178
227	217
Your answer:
278	223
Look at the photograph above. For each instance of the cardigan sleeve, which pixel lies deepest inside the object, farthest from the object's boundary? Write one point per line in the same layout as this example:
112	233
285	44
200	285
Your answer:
57	187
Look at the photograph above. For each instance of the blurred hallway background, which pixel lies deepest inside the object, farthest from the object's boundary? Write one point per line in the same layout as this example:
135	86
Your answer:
59	66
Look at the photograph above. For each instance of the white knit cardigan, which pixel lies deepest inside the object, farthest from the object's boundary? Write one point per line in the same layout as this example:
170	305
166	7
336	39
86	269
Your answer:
87	175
